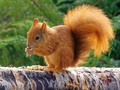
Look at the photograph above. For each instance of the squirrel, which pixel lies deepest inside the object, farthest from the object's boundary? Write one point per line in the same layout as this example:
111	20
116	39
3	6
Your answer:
85	28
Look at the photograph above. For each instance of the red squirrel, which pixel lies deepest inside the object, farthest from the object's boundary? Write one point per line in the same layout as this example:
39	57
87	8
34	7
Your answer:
85	28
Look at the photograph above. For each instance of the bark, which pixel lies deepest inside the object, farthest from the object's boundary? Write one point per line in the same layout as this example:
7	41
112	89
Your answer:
79	78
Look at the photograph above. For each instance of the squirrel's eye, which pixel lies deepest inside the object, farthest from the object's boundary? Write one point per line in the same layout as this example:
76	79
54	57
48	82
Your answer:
37	37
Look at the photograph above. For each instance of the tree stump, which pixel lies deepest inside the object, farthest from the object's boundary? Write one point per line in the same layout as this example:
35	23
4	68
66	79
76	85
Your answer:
78	78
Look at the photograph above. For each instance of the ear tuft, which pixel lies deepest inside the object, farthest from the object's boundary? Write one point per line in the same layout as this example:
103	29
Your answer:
43	26
36	20
44	23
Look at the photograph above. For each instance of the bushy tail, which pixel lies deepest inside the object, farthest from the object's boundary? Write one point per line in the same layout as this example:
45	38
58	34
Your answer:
91	30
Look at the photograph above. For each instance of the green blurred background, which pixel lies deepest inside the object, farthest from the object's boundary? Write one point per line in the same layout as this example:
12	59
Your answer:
16	17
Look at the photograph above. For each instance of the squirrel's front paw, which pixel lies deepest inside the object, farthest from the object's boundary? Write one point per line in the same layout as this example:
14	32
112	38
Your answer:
29	51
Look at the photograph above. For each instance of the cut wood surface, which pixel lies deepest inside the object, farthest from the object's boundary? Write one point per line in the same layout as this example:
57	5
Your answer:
79	78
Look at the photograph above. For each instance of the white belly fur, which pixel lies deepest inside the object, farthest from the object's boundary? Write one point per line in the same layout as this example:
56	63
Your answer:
51	58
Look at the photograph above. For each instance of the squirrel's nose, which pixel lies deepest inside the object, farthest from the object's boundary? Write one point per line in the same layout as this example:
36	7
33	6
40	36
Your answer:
30	45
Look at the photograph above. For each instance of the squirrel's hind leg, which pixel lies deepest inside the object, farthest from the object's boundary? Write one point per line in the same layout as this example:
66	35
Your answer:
49	66
47	61
56	69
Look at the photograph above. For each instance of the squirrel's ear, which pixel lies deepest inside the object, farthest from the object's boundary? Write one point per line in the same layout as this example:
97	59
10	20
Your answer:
35	21
43	28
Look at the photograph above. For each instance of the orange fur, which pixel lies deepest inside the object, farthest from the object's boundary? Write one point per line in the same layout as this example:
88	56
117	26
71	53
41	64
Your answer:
91	30
86	27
